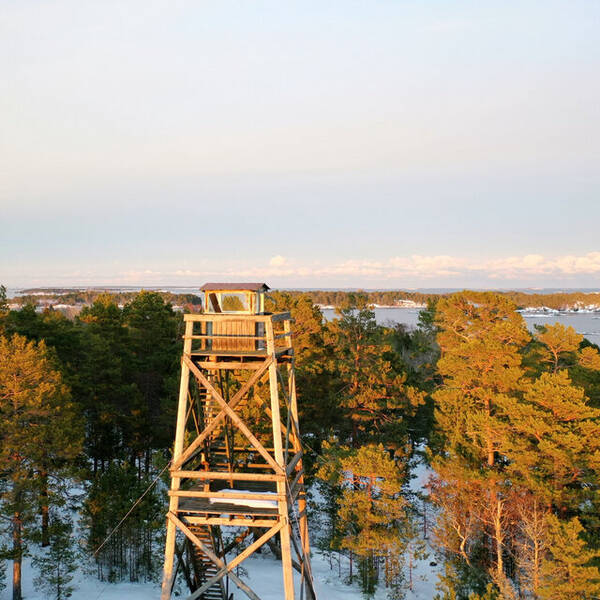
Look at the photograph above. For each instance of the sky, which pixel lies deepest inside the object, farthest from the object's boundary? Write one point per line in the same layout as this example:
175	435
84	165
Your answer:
383	143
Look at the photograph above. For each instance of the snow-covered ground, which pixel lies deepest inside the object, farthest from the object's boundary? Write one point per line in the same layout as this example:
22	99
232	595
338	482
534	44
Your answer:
263	575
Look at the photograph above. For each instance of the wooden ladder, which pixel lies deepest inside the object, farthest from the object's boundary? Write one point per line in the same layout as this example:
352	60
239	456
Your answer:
203	567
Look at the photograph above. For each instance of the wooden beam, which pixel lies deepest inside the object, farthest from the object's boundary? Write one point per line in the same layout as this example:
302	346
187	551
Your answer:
168	575
285	316
284	532
223	317
226	495
233	522
234	476
292	464
225	335
234	366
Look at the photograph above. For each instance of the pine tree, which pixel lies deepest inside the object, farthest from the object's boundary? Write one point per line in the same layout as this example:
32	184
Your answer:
554	442
372	393
3	304
559	345
530	543
313	366
480	338
567	574
153	366
372	511
35	417
106	391
56	566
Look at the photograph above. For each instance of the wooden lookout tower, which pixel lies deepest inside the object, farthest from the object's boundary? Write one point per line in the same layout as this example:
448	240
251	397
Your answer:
236	474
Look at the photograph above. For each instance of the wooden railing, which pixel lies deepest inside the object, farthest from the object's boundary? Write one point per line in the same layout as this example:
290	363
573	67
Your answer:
239	332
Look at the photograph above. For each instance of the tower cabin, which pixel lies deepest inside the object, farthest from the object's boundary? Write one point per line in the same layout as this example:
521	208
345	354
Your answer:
243	298
235	299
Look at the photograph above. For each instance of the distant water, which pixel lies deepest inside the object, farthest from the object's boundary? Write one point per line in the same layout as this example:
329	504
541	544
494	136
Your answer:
588	324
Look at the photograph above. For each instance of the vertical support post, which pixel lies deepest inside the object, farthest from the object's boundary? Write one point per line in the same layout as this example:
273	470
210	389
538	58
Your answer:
284	533
303	518
168	574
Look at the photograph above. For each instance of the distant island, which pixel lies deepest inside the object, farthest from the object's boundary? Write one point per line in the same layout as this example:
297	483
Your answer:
74	298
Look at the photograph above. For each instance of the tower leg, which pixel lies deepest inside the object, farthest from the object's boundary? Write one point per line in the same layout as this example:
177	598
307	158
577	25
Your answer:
167	582
284	534
168	575
302	518
286	560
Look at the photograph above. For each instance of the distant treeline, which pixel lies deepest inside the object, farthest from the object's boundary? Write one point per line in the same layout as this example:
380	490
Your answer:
337	298
88	297
557	301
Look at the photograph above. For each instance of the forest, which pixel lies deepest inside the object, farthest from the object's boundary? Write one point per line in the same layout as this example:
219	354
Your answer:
507	422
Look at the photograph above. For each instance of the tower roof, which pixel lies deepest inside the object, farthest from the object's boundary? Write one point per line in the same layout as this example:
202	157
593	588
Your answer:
250	287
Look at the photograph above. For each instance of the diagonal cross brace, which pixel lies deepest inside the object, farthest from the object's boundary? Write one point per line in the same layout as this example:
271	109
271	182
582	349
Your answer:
193	447
237	560
233	416
213	557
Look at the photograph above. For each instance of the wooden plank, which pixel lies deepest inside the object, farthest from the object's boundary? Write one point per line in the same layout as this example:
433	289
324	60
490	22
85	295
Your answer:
281	317
213	317
224	335
225	495
225	476
233	365
234	522
296	479
292	464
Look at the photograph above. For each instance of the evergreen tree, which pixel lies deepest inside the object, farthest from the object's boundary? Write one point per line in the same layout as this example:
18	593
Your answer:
313	366
373	395
554	442
153	367
559	345
107	394
371	512
566	573
3	303
56	566
35	414
480	337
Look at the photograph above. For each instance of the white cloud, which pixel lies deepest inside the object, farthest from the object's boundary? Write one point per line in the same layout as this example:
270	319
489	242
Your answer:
278	261
396	271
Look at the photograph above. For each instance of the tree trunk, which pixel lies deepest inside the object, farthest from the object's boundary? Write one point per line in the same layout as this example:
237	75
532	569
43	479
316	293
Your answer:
45	510
489	442
17	557
499	535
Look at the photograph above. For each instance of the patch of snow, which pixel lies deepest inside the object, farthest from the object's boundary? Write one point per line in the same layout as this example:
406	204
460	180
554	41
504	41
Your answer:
246	501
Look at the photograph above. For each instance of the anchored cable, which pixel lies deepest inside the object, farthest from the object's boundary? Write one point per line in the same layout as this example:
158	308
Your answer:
109	536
